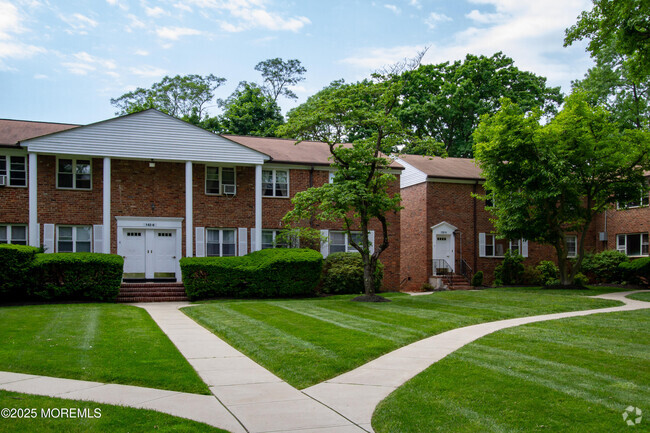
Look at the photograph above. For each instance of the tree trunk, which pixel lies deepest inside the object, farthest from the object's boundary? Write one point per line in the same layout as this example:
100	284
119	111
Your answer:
369	276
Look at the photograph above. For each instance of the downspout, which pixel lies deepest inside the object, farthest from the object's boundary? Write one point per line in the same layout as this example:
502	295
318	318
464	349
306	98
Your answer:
475	231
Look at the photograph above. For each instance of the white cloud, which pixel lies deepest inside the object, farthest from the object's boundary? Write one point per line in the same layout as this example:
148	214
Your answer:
79	24
183	7
10	21
40	77
141	53
394	9
250	14
118	3
134	23
10	26
148	71
434	18
82	63
174	33
155	12
415	3
485	18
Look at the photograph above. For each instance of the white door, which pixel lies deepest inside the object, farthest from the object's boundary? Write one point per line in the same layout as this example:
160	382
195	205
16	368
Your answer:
134	252
164	253
443	249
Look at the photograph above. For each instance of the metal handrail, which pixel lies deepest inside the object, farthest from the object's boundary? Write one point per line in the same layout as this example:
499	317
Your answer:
441	268
466	270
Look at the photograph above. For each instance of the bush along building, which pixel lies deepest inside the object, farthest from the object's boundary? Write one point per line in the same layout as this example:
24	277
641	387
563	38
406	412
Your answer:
154	189
445	230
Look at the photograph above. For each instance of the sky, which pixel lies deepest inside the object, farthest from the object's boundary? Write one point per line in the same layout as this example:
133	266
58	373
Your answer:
62	61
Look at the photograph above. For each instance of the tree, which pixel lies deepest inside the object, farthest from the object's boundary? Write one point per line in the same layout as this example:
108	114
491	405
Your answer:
184	97
279	75
445	101
360	190
248	111
547	180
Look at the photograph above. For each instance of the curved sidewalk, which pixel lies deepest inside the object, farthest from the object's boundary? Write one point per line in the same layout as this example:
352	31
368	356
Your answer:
355	394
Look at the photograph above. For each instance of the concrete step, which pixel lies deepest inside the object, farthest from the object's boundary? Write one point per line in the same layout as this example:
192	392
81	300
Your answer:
133	299
151	292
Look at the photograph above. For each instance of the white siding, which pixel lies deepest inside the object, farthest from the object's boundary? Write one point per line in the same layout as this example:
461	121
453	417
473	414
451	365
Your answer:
411	175
146	135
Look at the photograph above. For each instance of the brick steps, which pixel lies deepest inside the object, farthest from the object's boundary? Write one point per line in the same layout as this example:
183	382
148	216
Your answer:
458	282
151	292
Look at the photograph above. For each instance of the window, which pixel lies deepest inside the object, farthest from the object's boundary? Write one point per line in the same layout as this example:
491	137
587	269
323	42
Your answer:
642	202
15	168
339	242
275	183
74	239
331	176
633	244
220	243
73	173
13	234
217	177
571	245
271	239
495	247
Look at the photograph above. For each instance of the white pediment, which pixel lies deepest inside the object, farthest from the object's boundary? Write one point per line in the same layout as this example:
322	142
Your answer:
443	228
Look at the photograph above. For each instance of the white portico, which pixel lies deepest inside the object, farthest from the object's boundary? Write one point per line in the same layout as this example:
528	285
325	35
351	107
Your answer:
443	243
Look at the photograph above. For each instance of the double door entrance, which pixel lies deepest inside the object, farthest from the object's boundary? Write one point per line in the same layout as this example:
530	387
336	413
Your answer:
149	253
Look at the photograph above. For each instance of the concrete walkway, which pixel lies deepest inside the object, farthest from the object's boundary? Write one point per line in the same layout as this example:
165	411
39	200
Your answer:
249	398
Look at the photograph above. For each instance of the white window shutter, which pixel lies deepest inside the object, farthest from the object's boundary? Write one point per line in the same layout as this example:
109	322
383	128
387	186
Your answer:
481	244
48	238
253	239
38	235
371	239
243	244
524	247
324	244
200	242
98	238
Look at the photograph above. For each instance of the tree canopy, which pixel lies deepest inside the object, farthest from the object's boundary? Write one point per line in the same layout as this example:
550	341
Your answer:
248	111
280	75
445	101
549	180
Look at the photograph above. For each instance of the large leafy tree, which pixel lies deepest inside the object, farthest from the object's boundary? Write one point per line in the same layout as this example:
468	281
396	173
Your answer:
249	111
550	179
280	75
360	190
185	97
444	102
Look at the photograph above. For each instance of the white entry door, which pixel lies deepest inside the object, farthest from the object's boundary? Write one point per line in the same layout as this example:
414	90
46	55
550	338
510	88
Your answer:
149	253
443	249
164	253
134	252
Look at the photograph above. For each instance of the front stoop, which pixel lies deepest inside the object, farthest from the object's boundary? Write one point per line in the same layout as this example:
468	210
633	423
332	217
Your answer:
458	282
151	292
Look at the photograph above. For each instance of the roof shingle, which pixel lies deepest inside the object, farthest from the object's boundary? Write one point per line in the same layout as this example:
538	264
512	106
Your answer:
446	168
13	131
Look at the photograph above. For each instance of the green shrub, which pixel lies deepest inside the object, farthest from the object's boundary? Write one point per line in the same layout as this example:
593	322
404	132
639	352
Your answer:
581	279
77	276
549	272
604	266
16	275
510	270
477	279
637	271
270	273
531	276
343	273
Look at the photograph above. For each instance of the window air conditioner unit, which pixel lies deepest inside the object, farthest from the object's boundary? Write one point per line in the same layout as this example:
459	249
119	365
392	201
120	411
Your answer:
229	189
3	180
602	236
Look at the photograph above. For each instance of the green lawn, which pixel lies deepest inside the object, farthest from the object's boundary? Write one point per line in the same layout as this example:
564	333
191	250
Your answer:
641	296
570	375
308	341
100	342
113	419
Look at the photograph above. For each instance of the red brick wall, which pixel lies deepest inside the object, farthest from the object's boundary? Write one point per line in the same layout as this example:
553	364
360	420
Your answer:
414	231
622	221
15	205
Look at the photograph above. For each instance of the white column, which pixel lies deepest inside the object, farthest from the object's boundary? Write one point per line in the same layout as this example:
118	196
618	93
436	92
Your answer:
258	207
33	200
106	207
189	224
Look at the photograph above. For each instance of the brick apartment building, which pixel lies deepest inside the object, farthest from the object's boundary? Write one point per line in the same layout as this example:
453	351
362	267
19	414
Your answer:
153	189
443	226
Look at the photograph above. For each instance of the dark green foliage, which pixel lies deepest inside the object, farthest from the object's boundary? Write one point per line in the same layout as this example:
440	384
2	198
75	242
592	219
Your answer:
270	273
15	266
343	274
604	266
531	276
248	111
548	272
77	276
477	279
581	279
637	271
510	270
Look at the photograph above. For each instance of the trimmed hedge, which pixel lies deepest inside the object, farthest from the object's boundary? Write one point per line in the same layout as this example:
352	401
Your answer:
603	267
15	270
343	274
637	271
270	273
78	276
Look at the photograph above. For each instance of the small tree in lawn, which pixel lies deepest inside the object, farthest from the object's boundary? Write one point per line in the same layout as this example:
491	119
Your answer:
553	179
360	190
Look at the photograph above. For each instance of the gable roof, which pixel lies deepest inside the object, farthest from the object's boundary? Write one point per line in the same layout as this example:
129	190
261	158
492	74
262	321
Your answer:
286	151
13	131
444	168
148	134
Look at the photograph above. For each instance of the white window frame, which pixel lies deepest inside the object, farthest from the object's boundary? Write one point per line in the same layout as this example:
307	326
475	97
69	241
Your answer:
330	177
622	246
644	201
274	182
220	230
220	174
348	247
10	238
74	174
8	170
518	247
574	238
293	243
74	237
